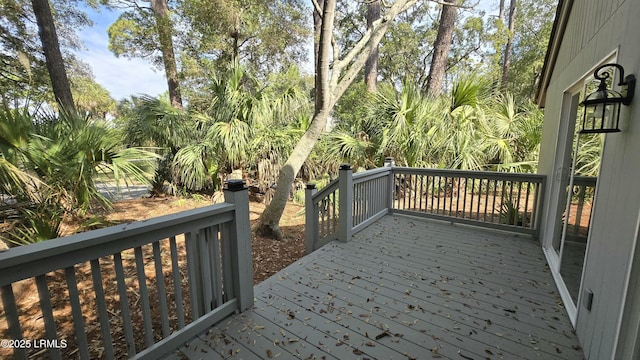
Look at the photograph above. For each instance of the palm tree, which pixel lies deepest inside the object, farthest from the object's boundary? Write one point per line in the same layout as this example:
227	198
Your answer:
220	142
49	163
458	136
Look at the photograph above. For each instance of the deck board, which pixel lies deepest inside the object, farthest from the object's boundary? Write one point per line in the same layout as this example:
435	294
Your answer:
404	288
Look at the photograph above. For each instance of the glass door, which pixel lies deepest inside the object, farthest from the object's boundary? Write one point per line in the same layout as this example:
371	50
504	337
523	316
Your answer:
579	187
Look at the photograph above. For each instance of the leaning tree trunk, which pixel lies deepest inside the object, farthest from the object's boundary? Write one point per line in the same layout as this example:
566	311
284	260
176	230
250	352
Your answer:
441	49
507	49
268	223
371	67
52	54
164	28
331	82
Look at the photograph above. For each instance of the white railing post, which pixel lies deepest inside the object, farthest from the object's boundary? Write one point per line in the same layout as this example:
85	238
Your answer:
345	214
389	162
310	219
236	193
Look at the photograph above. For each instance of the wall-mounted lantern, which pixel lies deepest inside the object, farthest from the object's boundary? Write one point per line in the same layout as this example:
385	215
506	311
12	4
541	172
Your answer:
602	107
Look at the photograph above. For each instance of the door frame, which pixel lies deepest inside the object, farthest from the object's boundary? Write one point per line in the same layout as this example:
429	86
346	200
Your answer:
560	181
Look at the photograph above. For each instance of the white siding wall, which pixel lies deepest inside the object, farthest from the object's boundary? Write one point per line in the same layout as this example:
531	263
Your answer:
596	29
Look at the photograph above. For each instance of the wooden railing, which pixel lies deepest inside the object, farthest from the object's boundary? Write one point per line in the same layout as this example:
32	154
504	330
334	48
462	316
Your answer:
326	220
321	215
172	276
583	192
506	201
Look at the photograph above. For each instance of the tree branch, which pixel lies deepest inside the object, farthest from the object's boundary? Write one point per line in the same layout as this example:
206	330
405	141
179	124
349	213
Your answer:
317	7
362	49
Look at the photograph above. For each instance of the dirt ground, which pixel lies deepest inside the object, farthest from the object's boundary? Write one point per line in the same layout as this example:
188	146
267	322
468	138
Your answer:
269	256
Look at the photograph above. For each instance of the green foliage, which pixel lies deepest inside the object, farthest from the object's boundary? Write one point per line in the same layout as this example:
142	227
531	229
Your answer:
407	46
243	125
23	73
471	128
534	20
48	163
91	98
134	35
510	214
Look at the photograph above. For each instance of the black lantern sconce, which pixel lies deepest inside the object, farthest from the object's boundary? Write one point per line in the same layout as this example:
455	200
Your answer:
602	107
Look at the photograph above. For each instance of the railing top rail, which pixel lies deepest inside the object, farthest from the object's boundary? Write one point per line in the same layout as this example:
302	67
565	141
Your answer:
585	180
331	187
32	260
370	174
494	175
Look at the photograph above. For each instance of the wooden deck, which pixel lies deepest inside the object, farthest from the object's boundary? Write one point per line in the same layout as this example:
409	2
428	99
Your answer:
404	288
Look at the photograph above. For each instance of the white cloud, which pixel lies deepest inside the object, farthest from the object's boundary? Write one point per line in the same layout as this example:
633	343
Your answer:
122	77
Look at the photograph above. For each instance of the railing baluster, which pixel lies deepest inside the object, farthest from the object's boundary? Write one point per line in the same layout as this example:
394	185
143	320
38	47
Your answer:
412	179
438	194
214	246
47	314
177	282
205	271
502	198
403	185
103	315
493	204
333	224
518	205
321	224
325	218
446	193
464	198
421	193
459	181
144	296
162	291
227	264
76	311
479	199
124	304
486	199
354	205
192	269
473	194
11	314
526	207
360	204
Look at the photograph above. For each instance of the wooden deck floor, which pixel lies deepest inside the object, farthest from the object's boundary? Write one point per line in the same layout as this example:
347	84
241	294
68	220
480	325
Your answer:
404	288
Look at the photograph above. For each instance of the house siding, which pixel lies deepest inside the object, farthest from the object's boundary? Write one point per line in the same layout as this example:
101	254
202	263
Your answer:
595	30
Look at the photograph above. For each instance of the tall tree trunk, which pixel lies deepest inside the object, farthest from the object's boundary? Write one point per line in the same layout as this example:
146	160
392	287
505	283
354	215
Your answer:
507	49
501	11
164	28
371	66
441	49
332	81
317	27
52	54
270	218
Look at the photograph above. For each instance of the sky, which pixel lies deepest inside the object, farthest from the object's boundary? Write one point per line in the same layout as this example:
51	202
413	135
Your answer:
122	77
